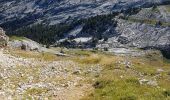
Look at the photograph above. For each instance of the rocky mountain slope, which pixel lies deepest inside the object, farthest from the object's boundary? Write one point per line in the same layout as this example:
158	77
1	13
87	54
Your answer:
91	23
110	64
149	28
84	74
146	28
141	35
27	12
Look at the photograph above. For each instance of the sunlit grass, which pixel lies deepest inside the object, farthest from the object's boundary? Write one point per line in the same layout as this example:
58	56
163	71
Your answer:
92	59
37	55
114	82
17	38
36	91
111	87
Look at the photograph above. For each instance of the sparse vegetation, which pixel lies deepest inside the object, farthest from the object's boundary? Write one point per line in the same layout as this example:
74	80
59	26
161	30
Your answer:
92	59
149	21
30	54
16	38
117	82
86	74
36	91
111	79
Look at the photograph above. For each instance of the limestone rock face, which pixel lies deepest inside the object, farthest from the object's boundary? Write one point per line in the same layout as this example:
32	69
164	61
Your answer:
57	11
25	44
3	38
141	35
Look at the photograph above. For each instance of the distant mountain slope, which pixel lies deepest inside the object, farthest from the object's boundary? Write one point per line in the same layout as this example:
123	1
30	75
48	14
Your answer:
90	23
26	12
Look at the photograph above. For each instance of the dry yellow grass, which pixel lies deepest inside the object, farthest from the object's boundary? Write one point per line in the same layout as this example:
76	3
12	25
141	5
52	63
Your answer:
33	54
115	81
92	59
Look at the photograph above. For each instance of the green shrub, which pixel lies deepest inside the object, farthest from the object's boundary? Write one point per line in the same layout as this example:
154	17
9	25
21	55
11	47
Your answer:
166	93
101	84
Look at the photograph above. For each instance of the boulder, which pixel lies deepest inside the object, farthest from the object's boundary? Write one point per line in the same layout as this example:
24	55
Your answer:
148	82
25	44
3	38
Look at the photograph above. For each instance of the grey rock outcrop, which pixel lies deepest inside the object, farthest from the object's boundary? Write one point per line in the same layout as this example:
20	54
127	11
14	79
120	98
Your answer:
3	38
148	82
141	35
25	44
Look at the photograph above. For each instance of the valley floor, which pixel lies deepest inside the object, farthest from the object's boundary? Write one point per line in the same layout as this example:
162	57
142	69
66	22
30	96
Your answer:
83	75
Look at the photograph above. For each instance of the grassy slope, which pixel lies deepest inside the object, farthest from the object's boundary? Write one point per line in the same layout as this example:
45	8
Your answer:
116	81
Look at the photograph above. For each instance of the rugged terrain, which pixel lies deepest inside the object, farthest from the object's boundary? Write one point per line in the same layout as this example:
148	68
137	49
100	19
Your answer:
57	11
90	23
122	49
74	74
83	74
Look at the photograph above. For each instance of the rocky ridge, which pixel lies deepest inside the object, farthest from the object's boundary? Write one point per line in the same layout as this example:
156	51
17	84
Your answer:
3	38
